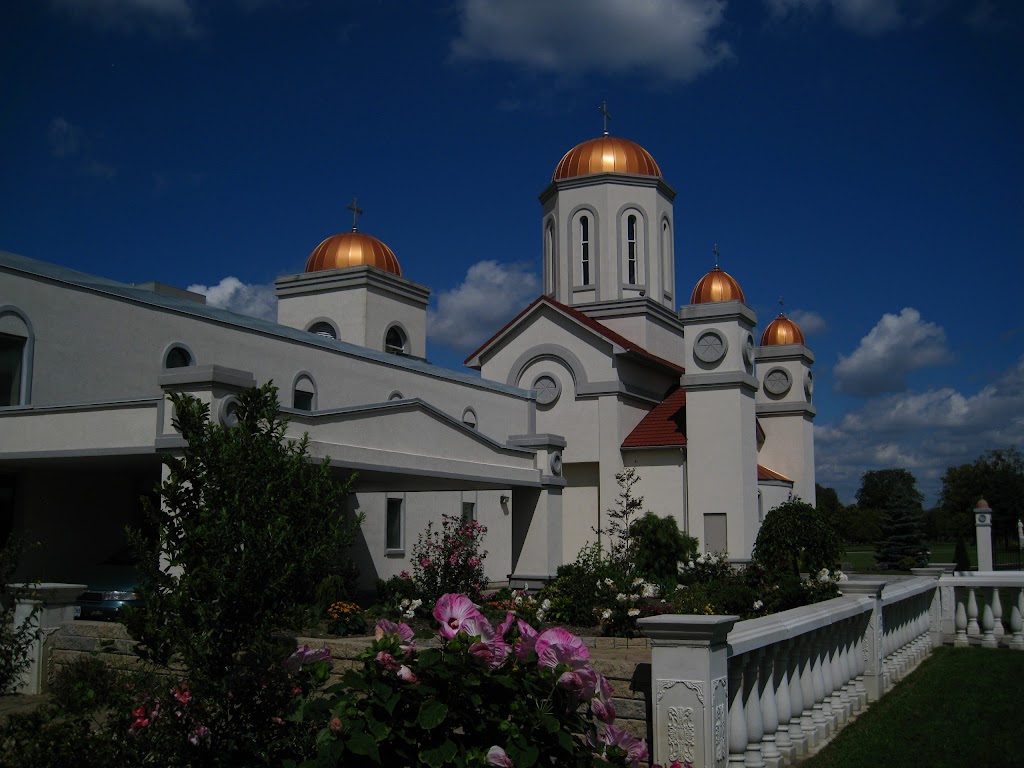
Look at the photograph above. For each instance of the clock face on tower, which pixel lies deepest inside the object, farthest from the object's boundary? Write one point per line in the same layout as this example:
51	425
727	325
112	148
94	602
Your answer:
710	347
777	382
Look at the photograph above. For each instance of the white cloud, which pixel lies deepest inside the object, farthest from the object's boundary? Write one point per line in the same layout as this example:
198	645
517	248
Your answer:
236	296
157	17
64	138
669	38
491	294
809	322
866	17
925	432
895	347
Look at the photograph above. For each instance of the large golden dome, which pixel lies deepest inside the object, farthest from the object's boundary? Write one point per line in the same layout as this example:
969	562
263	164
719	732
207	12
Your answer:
607	154
353	249
716	285
781	330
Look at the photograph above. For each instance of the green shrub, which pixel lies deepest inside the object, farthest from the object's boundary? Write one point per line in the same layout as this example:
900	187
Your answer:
449	559
574	594
87	685
795	536
658	546
15	639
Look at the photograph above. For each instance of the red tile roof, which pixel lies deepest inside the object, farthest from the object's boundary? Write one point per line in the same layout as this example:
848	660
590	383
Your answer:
763	473
589	322
662	426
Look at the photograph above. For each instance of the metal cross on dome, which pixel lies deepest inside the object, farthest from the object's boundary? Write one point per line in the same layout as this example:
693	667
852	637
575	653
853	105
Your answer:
603	109
715	251
356	210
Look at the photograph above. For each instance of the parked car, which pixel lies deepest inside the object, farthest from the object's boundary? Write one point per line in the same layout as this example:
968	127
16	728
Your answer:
111	585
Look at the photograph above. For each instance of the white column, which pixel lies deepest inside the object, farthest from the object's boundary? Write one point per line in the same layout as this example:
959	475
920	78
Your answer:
983	534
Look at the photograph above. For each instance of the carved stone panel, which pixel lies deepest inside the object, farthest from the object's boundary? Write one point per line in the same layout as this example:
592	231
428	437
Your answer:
686	725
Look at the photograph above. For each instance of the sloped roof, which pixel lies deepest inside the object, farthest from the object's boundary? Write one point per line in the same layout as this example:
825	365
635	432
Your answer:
662	426
763	473
582	319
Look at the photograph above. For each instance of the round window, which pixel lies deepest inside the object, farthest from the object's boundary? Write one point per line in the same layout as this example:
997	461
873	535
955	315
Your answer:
710	347
777	382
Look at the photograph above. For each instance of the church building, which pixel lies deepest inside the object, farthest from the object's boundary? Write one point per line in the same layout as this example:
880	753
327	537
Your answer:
606	369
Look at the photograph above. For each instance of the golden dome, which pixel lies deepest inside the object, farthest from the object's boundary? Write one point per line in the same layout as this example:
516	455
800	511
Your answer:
716	285
607	154
353	249
781	330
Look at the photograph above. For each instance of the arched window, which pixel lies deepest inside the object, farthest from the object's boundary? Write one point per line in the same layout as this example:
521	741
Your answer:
631	250
178	356
323	329
469	418
667	266
549	259
395	341
304	393
16	342
584	250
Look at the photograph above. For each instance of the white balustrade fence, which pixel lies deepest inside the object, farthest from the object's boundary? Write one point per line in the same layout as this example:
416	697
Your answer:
982	607
766	691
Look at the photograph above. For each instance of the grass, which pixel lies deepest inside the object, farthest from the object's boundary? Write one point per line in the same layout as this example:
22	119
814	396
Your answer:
862	556
956	709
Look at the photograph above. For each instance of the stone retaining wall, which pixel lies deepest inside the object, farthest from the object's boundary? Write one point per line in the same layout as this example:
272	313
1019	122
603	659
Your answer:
625	662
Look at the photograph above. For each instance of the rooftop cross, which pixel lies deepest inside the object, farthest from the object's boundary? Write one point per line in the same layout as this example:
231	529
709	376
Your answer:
715	251
603	109
782	306
356	210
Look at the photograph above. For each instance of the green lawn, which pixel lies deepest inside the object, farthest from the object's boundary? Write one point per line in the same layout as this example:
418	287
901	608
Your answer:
862	557
955	710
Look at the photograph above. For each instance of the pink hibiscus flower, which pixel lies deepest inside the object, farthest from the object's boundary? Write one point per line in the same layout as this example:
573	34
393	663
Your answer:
559	646
451	611
527	640
635	749
496	756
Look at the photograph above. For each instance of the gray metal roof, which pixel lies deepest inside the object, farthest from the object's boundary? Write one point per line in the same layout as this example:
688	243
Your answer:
56	273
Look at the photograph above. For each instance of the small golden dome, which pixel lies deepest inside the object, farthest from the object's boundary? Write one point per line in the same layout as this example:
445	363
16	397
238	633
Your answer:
781	330
716	285
607	154
353	249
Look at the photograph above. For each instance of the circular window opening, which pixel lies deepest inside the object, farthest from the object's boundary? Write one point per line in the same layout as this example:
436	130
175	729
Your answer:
547	388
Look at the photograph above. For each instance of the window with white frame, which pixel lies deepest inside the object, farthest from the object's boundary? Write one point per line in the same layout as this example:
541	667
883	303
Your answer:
394	523
584	250
631	265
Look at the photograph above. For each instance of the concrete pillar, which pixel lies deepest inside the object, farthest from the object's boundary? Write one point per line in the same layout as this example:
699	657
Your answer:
874	653
46	606
689	690
983	532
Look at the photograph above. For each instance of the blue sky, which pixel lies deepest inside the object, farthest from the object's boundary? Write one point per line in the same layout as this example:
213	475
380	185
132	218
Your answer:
863	159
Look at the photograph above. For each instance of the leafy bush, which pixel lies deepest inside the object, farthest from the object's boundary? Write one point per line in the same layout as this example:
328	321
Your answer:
495	696
449	560
15	640
795	535
246	530
574	594
658	546
87	685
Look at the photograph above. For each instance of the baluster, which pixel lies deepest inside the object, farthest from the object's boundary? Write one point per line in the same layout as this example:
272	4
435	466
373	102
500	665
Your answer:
809	717
988	639
796	701
960	622
833	679
737	718
769	709
818	714
752	708
997	613
887	629
860	662
783	703
844	679
973	629
1017	624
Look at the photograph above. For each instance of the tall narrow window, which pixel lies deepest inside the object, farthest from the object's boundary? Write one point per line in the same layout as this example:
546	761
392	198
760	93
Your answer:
585	249
393	523
304	394
631	248
12	354
395	342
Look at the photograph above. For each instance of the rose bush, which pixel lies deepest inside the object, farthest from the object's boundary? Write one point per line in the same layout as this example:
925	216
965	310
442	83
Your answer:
450	559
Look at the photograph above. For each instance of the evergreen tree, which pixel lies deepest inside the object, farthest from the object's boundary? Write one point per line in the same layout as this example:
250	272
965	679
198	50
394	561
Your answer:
903	543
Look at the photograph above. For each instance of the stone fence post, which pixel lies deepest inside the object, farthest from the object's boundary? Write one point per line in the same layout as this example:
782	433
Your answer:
689	693
871	650
57	601
983	533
